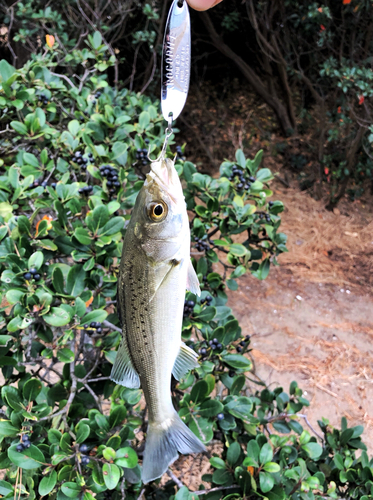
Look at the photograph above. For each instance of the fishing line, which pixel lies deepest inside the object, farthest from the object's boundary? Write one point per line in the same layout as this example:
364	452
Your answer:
175	71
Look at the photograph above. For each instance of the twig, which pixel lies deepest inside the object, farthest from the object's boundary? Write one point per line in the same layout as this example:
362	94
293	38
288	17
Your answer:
141	494
64	77
310	426
113	327
220	488
175	479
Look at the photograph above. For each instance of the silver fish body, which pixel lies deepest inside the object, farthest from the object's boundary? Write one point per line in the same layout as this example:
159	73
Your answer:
154	273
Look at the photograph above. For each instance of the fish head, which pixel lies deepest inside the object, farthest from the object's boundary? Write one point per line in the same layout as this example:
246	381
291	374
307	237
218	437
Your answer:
160	220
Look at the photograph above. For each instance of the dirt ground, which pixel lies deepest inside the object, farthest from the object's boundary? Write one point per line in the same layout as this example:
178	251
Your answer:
311	320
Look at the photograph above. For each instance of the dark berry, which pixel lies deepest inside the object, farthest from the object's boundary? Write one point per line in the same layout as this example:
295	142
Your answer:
53	185
37	277
27	276
83	448
85	160
243	343
85	326
19	447
219	346
213	347
109	183
215	341
203	351
208	297
98	324
238	348
220	416
240	185
117	184
85	460
44	184
191	303
247	337
99	330
33	270
27	444
232	373
93	324
81	190
252	179
77	154
270	204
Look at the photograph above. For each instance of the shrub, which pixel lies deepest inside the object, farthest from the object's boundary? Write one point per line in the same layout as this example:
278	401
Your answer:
74	153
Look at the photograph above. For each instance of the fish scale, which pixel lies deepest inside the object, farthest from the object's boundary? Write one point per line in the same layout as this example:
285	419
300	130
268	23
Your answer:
155	270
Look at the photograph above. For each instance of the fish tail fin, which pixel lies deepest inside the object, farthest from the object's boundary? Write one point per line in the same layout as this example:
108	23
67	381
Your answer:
162	446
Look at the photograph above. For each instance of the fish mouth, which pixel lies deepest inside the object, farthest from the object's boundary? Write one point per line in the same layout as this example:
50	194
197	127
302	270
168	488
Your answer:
164	174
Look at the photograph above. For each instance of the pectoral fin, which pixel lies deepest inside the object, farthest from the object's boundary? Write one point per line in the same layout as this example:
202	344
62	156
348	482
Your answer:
123	372
192	280
186	360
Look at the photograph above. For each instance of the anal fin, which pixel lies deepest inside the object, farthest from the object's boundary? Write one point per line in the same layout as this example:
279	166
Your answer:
192	280
123	372
186	360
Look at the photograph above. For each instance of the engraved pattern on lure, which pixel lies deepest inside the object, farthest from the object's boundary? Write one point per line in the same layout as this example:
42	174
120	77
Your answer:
176	60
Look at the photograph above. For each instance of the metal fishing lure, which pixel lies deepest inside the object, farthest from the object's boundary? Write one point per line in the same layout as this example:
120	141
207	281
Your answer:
175	64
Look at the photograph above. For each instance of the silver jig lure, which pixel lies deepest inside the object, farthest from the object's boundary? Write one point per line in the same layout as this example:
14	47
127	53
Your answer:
175	64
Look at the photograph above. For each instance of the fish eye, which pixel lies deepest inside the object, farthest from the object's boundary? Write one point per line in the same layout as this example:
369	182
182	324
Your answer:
157	211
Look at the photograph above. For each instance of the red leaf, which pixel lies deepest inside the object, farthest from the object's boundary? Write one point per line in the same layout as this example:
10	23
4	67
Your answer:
361	99
339	109
322	27
345	2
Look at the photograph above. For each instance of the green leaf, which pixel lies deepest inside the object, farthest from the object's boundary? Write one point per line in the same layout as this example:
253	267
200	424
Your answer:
6	70
65	355
47	484
210	408
96	40
74	127
313	450
237	361
57	317
218	463
32	389
7	429
266	482
114	225
11	396
111	475
36	260
75	280
31	458
6	210
126	457
19	127
240	157
271	467
71	490
6	488
266	453
199	391
144	119
57	280
238	250
82	432
233	453
83	236
98	316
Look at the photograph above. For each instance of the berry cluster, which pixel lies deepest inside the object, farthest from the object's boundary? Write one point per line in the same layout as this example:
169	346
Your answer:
142	155
207	300
201	245
243	343
111	175
188	308
98	94
32	274
93	327
85	190
267	217
25	443
179	153
42	98
82	160
83	448
215	344
243	183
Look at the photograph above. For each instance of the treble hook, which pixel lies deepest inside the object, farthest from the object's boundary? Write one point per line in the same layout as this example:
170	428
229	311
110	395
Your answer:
168	132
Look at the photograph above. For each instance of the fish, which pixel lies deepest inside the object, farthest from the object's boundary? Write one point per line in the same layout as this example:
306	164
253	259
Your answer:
155	270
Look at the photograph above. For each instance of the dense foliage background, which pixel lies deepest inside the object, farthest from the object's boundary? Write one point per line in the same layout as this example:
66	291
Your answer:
74	143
